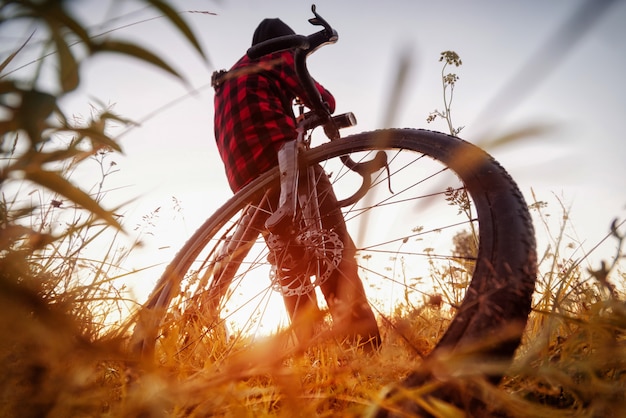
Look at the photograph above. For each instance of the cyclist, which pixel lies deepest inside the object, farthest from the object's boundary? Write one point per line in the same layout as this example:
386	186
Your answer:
254	117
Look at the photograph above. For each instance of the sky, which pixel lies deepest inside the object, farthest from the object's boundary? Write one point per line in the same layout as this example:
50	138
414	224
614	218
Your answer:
508	81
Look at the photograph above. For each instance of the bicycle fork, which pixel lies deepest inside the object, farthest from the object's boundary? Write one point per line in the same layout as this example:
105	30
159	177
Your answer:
282	220
294	193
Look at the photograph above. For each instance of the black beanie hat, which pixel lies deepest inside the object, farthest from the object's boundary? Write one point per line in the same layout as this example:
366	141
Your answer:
269	29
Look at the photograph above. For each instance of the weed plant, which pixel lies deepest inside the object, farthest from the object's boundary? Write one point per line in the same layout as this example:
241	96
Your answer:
61	356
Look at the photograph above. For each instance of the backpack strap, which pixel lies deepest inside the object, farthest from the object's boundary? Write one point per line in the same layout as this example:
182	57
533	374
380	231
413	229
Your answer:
217	78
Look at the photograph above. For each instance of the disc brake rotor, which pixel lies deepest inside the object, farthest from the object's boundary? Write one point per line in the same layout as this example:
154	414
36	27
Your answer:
310	254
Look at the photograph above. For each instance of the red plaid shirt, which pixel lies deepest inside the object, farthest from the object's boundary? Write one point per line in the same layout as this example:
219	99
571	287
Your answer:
254	114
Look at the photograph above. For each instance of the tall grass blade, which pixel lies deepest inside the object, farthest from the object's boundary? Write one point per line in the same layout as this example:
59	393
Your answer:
175	18
11	56
55	182
135	51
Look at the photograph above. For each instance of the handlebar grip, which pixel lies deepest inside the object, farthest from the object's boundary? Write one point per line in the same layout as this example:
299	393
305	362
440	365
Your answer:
278	44
335	123
345	120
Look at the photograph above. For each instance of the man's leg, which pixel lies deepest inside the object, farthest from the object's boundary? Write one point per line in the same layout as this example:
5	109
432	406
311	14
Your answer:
343	291
303	309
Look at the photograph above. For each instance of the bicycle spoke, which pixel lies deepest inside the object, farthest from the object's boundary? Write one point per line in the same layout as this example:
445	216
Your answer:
419	240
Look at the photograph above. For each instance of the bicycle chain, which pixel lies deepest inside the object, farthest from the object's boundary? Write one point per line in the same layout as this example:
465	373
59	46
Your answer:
295	261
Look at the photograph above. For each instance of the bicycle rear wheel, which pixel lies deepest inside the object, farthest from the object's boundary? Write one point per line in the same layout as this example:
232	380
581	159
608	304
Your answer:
445	223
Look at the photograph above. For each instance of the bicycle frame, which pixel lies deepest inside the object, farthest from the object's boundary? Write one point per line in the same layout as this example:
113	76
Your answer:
298	198
298	192
293	194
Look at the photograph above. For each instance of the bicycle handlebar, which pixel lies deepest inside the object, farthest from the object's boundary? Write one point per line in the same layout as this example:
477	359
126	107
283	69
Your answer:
278	44
308	44
305	45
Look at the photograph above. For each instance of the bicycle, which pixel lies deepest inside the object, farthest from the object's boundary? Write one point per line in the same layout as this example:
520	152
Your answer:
223	270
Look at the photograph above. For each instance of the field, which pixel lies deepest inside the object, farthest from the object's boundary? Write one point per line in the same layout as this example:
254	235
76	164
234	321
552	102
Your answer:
59	360
64	327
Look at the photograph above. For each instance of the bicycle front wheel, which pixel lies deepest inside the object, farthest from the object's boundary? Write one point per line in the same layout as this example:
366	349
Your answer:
444	225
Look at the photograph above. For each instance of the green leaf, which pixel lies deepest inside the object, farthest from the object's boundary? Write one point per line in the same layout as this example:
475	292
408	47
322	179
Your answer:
98	137
62	17
134	51
33	158
175	18
31	116
68	74
55	182
8	86
117	118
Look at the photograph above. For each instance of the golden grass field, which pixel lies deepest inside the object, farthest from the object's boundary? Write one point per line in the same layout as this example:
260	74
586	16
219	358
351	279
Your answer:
57	362
62	356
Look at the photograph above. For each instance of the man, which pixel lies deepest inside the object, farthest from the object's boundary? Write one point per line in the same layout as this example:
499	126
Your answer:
254	118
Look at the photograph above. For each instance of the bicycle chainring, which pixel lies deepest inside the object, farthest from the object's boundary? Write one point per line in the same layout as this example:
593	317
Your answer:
309	254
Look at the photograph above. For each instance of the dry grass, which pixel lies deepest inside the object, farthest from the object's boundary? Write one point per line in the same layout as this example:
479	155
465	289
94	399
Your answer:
61	357
572	363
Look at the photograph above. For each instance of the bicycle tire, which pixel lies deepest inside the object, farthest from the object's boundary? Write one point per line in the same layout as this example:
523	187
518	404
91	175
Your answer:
503	279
